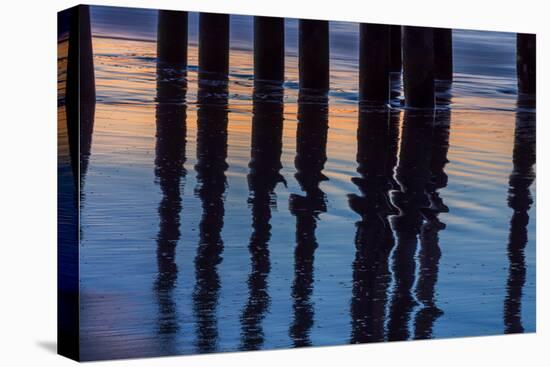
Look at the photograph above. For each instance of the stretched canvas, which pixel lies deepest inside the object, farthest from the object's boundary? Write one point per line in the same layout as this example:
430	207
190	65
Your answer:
234	183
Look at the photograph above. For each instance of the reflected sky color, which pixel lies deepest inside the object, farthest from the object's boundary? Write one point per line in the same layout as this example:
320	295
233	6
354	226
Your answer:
222	241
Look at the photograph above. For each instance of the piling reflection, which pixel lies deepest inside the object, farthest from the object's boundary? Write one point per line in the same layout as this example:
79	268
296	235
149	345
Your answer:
211	166
520	201
374	237
265	164
169	171
430	252
87	114
412	174
393	146
311	141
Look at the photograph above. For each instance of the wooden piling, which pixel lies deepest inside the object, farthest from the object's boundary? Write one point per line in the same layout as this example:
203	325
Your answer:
213	44
269	49
80	63
395	48
443	53
418	67
526	63
374	63
172	37
314	54
80	95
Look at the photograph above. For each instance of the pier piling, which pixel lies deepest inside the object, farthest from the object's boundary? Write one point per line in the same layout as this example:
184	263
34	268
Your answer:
80	63
418	67
395	48
313	62
213	44
269	49
526	63
443	53
80	95
374	63
172	37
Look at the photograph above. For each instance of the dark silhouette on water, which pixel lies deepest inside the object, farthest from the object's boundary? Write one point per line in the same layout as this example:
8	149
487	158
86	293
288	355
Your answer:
418	67
430	253
313	61
374	238
213	46
269	49
172	37
211	180
443	53
374	63
526	63
520	201
311	141
412	174
395	49
169	171
80	95
265	164
80	64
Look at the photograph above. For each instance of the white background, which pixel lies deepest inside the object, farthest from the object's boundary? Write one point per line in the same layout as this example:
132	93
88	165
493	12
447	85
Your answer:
28	182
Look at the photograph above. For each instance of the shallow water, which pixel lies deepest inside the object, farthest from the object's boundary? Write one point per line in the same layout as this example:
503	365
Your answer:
245	219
